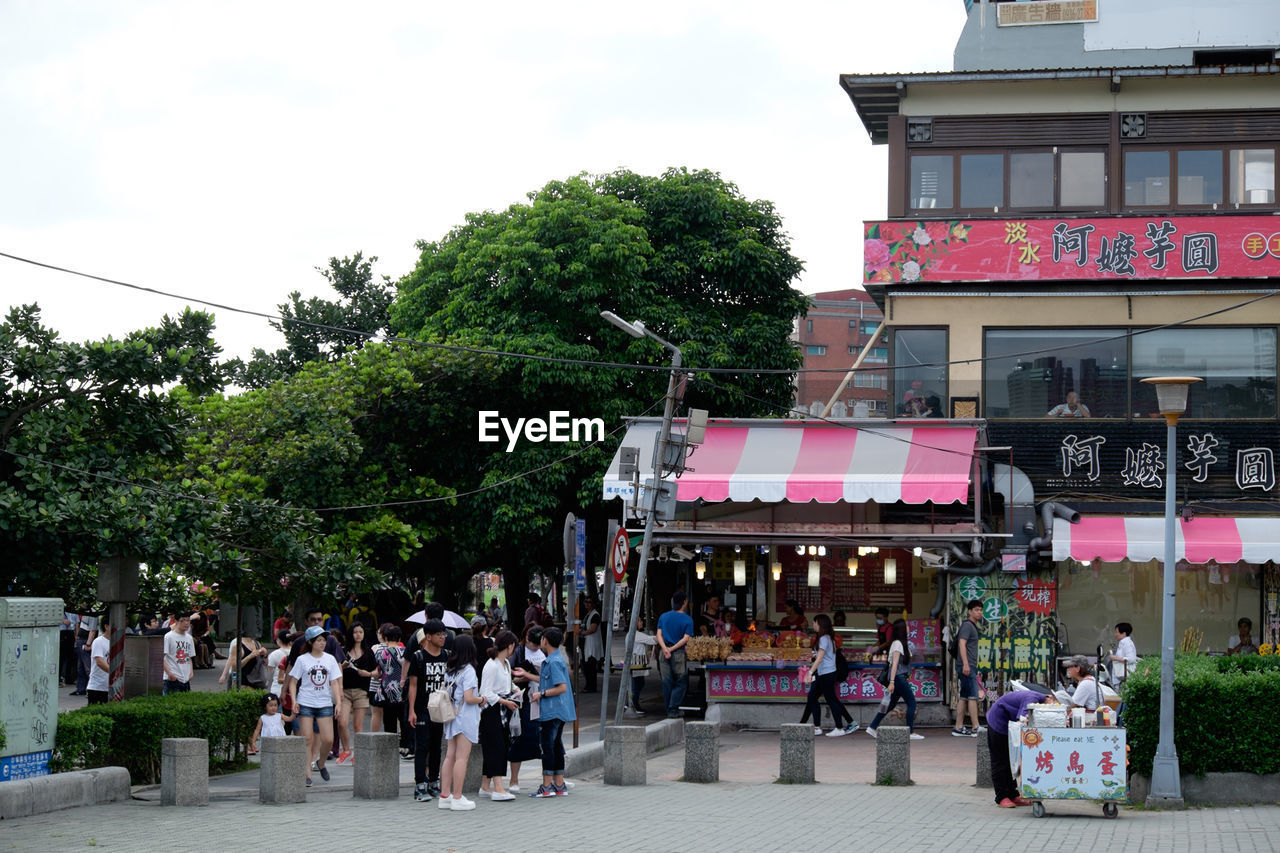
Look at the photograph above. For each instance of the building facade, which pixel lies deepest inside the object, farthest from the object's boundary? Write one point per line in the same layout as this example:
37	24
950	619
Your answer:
1089	201
832	335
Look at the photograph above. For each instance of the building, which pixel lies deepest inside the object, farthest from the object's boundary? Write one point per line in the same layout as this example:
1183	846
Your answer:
832	336
1089	200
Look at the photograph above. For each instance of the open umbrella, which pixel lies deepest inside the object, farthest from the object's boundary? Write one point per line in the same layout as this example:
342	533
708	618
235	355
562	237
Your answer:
450	619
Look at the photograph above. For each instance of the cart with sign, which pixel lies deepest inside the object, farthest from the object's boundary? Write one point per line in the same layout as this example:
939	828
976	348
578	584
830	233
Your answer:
1086	763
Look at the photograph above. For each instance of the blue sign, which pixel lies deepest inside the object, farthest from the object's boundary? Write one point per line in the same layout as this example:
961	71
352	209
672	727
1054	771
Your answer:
25	766
580	555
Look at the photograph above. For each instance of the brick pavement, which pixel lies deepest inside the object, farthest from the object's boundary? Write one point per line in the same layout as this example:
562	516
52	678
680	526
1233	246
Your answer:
746	812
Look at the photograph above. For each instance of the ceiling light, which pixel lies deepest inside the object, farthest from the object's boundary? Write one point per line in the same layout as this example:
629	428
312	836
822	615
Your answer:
701	569
777	570
815	573
890	570
853	567
739	572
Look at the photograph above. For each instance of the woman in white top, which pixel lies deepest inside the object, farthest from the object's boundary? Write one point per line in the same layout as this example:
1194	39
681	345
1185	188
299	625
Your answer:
316	693
496	690
899	681
1086	692
1125	657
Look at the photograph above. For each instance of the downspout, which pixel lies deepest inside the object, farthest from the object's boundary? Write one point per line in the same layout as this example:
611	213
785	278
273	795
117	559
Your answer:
1049	510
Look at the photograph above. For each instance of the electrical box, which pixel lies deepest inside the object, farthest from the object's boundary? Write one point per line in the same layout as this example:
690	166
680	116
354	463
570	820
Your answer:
28	684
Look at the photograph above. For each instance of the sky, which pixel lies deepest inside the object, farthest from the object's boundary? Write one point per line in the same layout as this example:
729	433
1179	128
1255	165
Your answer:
224	151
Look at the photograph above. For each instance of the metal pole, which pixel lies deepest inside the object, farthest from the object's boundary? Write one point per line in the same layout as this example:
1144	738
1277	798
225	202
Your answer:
1166	780
659	455
607	607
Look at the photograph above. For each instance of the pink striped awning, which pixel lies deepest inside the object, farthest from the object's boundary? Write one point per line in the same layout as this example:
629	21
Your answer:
800	462
1112	538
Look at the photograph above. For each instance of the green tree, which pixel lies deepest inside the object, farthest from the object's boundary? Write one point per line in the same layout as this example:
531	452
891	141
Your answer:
701	265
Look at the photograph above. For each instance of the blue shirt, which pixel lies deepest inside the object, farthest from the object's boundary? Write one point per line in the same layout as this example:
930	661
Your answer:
1010	707
555	670
675	624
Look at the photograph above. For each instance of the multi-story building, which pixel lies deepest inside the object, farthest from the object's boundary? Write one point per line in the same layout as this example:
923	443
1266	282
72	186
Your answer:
1087	201
832	335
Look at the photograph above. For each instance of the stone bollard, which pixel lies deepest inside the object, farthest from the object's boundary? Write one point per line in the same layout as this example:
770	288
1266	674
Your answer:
701	752
625	758
475	764
982	778
795	760
893	755
377	766
283	772
184	771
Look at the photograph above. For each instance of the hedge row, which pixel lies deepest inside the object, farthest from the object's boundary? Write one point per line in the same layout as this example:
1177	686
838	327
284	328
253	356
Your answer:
1226	715
129	734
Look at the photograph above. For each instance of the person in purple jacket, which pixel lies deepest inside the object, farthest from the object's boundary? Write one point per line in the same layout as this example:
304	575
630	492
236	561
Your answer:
1009	707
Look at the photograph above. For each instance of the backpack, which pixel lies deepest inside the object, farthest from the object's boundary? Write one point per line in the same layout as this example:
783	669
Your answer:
440	704
842	666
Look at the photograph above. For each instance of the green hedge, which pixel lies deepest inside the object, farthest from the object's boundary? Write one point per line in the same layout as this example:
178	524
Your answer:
1226	715
3	741
128	734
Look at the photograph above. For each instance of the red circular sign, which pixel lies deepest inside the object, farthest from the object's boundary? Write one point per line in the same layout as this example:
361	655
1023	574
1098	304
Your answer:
618	555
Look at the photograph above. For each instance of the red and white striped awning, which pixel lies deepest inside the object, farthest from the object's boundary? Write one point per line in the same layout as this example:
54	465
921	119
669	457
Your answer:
1112	538
800	461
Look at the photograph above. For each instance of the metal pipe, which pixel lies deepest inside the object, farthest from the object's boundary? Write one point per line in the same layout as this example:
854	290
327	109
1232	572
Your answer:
1049	510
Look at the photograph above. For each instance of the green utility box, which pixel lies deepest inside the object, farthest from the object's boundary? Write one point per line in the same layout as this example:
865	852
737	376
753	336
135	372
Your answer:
28	684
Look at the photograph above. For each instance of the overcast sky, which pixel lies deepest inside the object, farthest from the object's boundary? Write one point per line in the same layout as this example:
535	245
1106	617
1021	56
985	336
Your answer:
224	150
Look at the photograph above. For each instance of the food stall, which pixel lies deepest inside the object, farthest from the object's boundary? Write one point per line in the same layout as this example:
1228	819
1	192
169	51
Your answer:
1066	753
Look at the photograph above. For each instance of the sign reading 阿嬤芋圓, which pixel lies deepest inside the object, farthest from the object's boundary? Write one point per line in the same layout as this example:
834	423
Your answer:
1017	249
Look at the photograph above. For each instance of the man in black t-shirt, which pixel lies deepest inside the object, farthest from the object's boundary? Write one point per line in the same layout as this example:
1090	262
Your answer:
426	673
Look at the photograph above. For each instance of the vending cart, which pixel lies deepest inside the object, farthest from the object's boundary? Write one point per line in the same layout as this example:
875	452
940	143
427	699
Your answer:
1071	763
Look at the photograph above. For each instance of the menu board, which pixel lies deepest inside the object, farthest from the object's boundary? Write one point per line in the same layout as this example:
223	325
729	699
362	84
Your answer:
837	589
1070	764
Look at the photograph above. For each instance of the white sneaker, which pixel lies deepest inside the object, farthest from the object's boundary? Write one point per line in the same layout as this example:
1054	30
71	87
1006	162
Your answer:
515	789
568	784
873	732
817	730
462	804
837	733
445	803
484	795
915	736
502	796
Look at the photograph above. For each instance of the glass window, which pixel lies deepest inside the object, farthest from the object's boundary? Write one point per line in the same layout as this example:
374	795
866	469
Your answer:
1238	366
932	181
982	180
920	371
1029	372
815	350
1199	177
878	354
1253	175
1083	181
869	326
1146	178
809	325
1031	180
869	379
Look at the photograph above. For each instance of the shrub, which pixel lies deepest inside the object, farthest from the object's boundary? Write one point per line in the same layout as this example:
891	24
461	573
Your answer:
3	741
138	726
1225	715
81	741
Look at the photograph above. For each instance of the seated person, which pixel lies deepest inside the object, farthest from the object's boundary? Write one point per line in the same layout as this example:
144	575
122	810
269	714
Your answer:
1243	643
795	619
1086	693
1072	408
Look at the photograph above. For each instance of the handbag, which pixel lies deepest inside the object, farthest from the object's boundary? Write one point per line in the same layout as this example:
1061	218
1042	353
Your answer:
440	705
883	676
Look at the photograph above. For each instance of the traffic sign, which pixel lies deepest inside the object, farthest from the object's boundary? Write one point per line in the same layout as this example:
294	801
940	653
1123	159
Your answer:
580	555
618	555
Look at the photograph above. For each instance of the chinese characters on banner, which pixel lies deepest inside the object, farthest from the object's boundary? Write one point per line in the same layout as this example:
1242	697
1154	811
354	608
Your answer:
1031	249
728	683
1074	764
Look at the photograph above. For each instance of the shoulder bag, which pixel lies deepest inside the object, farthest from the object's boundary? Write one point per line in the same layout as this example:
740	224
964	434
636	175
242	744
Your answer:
440	704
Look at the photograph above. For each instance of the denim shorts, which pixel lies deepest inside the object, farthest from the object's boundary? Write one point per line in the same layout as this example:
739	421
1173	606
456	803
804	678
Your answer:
305	711
968	685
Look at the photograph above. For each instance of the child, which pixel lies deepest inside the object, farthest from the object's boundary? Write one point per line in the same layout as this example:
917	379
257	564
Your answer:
464	729
270	724
556	709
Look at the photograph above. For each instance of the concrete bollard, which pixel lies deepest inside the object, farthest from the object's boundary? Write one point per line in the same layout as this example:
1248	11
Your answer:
982	779
283	771
893	755
701	752
184	771
625	759
475	764
795	759
377	766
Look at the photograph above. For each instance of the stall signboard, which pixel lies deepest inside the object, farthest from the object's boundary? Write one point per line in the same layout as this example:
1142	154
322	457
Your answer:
1110	249
1046	12
729	683
26	766
1073	764
1017	634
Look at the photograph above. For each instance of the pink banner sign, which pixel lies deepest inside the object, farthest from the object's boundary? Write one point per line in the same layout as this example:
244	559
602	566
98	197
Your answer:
1014	249
730	683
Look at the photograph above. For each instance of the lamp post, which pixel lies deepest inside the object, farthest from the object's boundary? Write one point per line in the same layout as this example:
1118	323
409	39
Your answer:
1166	780
638	330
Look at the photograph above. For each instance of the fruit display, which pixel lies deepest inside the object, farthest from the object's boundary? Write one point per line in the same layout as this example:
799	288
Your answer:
709	648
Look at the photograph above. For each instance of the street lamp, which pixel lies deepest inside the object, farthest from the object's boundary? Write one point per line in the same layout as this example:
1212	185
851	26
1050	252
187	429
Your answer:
638	330
1166	780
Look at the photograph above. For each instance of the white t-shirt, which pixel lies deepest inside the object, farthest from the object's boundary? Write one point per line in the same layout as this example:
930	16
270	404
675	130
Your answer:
1126	653
534	657
179	652
273	664
1086	694
896	646
593	645
98	677
314	674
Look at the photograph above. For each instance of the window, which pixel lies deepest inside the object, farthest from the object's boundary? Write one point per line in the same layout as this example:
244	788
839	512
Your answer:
982	180
870	379
1253	175
880	355
854	349
920	370
1199	177
1146	178
818	349
1083	179
1031	180
1238	366
932	182
809	326
1030	371
869	326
